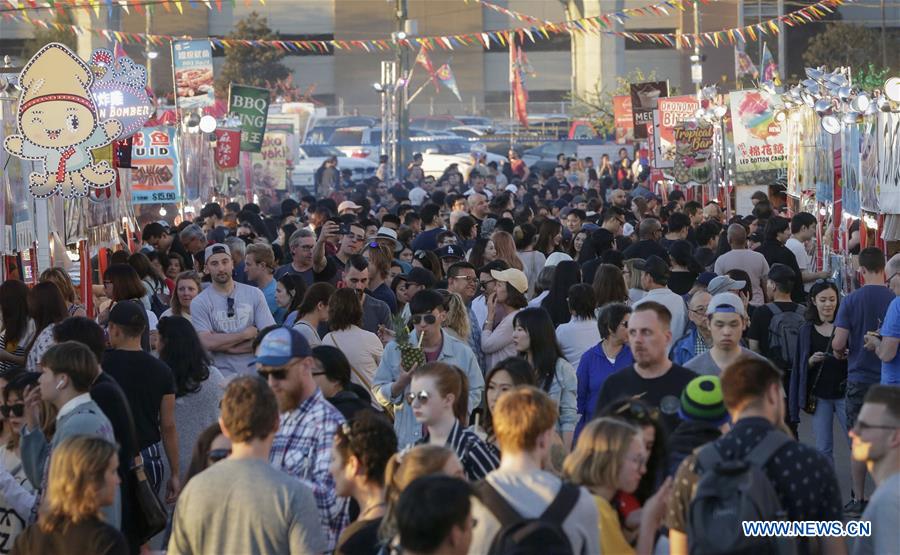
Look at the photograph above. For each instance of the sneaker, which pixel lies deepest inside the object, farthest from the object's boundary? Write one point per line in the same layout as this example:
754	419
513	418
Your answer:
854	508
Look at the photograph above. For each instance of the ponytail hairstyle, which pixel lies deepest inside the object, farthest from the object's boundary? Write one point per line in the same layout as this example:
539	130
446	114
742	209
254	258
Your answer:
449	380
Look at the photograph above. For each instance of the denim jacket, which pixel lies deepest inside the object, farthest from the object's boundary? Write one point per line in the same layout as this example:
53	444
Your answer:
453	352
683	350
800	373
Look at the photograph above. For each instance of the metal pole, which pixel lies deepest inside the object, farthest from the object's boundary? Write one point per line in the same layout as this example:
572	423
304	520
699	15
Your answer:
884	63
697	82
782	44
738	44
401	114
148	22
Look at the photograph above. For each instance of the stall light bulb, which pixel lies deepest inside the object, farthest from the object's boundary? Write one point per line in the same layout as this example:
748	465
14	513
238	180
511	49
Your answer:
162	211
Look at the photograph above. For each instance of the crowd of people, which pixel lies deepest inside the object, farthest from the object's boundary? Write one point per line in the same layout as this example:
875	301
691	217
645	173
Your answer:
499	362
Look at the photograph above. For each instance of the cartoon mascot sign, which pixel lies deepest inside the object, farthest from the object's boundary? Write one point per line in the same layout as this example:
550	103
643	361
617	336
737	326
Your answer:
58	125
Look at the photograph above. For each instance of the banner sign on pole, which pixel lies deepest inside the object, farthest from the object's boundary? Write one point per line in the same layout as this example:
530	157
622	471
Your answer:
270	163
693	153
251	104
644	98
759	140
672	111
155	162
120	90
193	69
624	119
227	148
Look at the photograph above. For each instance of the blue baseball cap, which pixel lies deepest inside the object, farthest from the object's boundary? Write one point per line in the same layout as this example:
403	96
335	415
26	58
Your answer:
281	345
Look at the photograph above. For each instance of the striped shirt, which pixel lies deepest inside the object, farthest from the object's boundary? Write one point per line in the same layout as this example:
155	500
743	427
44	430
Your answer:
477	457
302	448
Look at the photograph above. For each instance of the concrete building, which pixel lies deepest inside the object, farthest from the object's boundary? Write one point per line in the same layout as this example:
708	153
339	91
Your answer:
341	79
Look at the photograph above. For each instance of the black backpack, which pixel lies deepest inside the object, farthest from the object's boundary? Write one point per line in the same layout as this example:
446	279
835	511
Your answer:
530	536
784	333
731	492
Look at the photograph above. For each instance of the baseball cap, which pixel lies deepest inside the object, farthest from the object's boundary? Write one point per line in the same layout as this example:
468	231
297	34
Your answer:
419	276
511	188
280	345
216	248
514	277
702	400
555	258
627	229
348	205
726	302
577	199
128	314
450	251
781	274
655	266
721	284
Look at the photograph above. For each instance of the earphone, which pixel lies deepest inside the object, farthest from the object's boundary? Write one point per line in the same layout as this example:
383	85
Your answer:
60	384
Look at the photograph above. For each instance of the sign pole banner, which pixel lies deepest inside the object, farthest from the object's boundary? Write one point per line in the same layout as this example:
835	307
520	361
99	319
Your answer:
154	160
270	163
193	69
120	89
624	119
672	111
644	99
693	153
227	151
251	104
760	142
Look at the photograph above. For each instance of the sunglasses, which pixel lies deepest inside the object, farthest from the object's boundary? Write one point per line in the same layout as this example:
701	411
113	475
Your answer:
230	310
17	410
216	455
372	244
422	396
278	375
428	318
638	412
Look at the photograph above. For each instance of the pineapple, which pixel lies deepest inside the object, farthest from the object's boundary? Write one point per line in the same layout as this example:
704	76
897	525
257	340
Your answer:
410	355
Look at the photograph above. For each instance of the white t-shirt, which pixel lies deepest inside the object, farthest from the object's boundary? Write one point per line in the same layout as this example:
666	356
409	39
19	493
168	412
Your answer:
209	313
806	262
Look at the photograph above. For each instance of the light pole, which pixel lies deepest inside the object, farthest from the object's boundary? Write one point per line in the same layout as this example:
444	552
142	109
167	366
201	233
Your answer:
696	57
149	53
401	71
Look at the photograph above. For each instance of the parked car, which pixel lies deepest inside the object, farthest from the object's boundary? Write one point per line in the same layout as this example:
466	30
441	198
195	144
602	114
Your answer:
311	157
438	154
323	128
365	142
435	123
543	158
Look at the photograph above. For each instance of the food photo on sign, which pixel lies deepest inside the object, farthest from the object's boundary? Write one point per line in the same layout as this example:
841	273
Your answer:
193	71
59	125
693	153
154	160
672	111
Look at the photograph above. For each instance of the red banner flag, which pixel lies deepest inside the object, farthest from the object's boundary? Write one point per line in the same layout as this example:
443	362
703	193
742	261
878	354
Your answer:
423	60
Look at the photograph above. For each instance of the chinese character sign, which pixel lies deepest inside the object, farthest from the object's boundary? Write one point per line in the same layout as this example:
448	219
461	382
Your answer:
251	104
672	111
193	73
693	153
154	158
270	164
228	152
624	120
120	90
759	140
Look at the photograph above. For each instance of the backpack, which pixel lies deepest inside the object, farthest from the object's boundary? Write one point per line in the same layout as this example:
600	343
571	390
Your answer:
530	536
731	492
784	332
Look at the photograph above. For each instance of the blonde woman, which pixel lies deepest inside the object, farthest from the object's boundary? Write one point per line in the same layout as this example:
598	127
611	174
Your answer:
82	480
610	456
457	321
60	278
632	278
187	286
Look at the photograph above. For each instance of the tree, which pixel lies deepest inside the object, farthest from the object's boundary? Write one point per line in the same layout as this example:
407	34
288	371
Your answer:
248	65
597	105
846	45
43	37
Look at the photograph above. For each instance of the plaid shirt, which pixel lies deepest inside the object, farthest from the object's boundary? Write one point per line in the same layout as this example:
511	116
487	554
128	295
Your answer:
302	448
700	345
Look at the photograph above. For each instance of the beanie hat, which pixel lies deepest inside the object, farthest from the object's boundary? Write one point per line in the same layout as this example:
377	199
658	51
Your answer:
701	400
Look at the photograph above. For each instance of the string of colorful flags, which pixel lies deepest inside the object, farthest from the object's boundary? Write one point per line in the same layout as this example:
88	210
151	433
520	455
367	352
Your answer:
487	39
126	5
657	9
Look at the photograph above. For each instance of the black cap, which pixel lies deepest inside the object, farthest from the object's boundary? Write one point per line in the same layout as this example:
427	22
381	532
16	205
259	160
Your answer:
450	251
128	313
419	276
782	274
655	266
